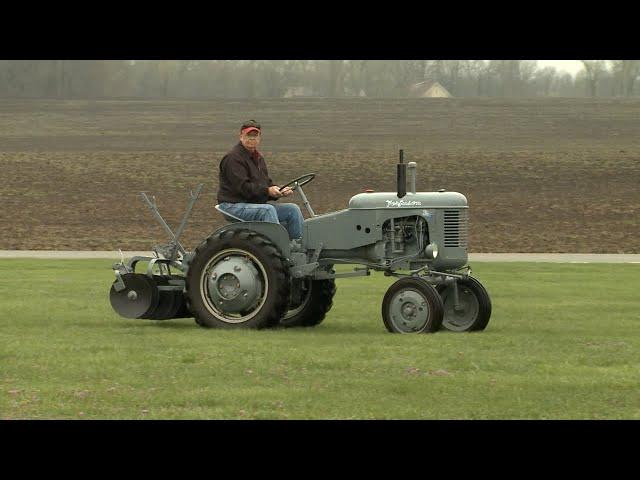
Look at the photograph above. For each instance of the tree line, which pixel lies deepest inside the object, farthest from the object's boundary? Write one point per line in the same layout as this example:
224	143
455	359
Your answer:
70	79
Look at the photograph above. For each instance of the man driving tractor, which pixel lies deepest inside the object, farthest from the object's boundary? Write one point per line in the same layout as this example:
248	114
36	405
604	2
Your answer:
245	186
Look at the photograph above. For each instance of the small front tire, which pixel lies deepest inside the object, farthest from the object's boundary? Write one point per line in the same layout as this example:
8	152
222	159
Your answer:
474	310
411	305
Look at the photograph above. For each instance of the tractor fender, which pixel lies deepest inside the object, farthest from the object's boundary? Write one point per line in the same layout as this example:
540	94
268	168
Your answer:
273	231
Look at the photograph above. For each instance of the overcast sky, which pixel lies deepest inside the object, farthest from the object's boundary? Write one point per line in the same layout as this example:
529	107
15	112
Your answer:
570	66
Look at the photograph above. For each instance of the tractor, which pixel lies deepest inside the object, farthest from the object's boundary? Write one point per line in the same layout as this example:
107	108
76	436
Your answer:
251	275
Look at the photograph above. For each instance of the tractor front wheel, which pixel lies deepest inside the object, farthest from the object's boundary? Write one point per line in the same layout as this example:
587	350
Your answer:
474	306
411	305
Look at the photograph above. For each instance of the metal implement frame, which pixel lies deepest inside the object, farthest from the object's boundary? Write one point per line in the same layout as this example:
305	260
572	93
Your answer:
130	267
154	209
162	263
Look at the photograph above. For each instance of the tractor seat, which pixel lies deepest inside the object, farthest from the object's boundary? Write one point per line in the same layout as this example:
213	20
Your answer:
227	216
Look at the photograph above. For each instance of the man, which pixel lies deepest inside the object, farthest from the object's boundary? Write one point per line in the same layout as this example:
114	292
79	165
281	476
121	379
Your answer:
245	186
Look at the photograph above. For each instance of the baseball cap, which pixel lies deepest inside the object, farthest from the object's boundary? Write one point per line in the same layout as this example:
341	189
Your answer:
250	126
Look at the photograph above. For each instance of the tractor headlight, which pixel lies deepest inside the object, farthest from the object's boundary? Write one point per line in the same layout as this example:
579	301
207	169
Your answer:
431	251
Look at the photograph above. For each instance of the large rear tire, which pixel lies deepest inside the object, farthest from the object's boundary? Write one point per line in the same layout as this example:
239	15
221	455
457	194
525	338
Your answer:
237	279
317	301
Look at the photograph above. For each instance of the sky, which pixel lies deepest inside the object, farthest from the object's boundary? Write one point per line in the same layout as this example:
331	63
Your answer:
570	66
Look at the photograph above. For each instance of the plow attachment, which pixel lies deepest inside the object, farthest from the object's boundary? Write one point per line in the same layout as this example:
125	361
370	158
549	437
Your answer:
157	294
156	297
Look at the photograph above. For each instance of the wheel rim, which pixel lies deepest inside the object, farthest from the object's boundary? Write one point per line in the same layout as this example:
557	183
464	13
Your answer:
229	292
463	318
409	311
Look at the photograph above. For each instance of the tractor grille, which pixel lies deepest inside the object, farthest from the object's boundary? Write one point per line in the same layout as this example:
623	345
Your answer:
456	228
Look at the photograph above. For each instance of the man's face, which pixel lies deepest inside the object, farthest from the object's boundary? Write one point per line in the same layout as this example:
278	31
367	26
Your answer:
250	140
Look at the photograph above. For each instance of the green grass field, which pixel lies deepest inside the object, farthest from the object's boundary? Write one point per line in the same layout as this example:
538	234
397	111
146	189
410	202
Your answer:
562	343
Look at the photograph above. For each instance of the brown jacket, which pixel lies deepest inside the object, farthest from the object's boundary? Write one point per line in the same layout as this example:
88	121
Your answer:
243	178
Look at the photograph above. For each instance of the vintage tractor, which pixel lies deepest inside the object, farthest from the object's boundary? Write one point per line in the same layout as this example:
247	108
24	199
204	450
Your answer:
251	275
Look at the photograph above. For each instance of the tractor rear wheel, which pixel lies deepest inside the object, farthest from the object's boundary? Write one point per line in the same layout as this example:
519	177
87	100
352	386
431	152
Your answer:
411	305
237	279
474	309
317	300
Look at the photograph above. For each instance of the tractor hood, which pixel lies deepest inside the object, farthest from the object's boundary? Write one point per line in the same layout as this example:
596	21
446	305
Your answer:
410	200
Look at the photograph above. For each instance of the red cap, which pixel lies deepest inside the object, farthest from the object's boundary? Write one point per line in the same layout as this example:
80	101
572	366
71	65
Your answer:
249	129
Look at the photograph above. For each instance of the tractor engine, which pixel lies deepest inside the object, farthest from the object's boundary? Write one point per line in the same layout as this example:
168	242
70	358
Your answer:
405	236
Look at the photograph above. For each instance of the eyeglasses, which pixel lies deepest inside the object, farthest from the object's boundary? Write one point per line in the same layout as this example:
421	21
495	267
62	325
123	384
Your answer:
252	137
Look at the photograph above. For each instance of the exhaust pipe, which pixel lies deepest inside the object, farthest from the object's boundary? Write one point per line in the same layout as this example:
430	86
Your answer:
402	176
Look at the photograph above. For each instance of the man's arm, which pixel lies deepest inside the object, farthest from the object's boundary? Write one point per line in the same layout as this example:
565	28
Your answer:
274	193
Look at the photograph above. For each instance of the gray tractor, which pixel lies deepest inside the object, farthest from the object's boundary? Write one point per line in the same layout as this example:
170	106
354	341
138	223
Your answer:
251	275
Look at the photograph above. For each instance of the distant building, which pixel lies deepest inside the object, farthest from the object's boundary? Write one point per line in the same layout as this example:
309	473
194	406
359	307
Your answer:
429	89
291	92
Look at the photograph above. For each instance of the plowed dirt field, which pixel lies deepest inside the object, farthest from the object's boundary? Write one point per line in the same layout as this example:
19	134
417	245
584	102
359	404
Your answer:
541	175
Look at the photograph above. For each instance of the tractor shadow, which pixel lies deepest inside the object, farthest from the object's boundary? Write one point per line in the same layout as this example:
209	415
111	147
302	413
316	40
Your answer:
167	324
172	324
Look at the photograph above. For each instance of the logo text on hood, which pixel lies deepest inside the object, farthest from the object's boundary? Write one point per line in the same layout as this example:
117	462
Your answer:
403	203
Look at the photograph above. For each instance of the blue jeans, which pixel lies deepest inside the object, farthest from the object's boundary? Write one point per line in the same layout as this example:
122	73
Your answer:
287	214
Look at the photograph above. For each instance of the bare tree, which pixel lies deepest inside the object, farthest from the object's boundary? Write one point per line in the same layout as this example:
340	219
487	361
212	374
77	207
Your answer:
630	72
544	80
475	72
405	73
510	77
617	74
527	71
336	78
171	73
434	70
453	75
269	78
593	70
355	79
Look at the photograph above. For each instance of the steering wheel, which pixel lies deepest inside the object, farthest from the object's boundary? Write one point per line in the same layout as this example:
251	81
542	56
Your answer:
303	180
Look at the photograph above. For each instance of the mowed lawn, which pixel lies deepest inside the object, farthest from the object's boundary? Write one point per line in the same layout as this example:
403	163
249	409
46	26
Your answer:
562	343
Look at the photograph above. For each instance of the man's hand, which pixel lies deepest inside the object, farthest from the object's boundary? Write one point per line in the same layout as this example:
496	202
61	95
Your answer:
274	191
286	191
